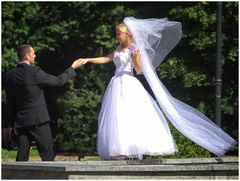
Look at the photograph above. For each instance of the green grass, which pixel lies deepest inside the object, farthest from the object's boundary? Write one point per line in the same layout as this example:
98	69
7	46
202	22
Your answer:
6	154
9	155
91	158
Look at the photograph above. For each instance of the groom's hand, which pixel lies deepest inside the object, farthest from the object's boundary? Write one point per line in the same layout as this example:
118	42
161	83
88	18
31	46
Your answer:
7	134
78	63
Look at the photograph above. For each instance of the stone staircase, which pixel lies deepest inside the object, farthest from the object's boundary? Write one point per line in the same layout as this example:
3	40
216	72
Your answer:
199	168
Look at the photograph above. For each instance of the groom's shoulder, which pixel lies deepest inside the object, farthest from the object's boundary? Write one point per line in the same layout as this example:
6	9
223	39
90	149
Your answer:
34	68
31	70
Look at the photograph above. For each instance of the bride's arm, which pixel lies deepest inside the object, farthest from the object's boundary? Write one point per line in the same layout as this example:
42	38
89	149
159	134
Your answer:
97	60
136	60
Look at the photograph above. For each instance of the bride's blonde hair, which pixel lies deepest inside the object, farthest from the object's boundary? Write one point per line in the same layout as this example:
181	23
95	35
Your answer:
124	29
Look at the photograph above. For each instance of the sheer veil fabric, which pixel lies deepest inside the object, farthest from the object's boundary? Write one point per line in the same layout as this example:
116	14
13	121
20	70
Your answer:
156	38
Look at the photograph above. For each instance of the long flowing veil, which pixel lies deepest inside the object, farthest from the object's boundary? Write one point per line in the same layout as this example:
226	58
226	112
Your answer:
156	38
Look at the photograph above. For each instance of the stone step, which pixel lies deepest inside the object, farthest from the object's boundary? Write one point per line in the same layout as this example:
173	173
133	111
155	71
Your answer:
204	168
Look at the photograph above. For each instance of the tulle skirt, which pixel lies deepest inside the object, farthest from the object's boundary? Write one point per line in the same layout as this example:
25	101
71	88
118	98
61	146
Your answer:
130	122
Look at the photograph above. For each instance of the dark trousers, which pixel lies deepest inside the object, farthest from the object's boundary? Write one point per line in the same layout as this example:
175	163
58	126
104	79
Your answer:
42	135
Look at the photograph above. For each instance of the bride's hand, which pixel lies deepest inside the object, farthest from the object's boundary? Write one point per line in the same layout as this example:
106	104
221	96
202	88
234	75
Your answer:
136	52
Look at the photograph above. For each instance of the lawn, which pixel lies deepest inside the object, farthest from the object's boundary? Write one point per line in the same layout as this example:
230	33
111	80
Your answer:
11	154
8	155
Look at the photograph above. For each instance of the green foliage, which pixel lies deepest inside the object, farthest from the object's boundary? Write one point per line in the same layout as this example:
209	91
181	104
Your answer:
172	69
76	126
186	148
199	28
198	62
63	31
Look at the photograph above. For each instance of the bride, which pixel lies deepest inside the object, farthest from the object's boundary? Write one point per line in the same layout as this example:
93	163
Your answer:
131	122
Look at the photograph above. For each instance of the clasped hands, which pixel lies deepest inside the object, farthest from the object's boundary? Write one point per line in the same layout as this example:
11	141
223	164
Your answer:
79	62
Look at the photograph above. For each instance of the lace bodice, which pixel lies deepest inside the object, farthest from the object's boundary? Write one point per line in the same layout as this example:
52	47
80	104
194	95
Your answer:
123	60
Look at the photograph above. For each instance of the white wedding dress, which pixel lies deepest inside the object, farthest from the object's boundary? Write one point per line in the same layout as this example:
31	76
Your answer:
130	121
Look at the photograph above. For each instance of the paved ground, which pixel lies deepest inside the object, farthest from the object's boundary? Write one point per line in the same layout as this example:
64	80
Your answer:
199	168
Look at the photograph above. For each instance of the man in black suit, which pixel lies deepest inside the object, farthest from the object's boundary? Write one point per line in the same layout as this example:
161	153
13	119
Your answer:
27	114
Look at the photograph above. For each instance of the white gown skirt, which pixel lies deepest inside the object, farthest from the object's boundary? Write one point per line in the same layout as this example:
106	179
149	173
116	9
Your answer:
131	123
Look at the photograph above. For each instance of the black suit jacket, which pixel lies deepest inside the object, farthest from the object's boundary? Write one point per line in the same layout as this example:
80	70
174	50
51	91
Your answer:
26	104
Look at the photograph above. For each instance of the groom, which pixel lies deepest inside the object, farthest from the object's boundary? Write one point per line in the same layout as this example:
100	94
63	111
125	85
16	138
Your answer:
27	114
